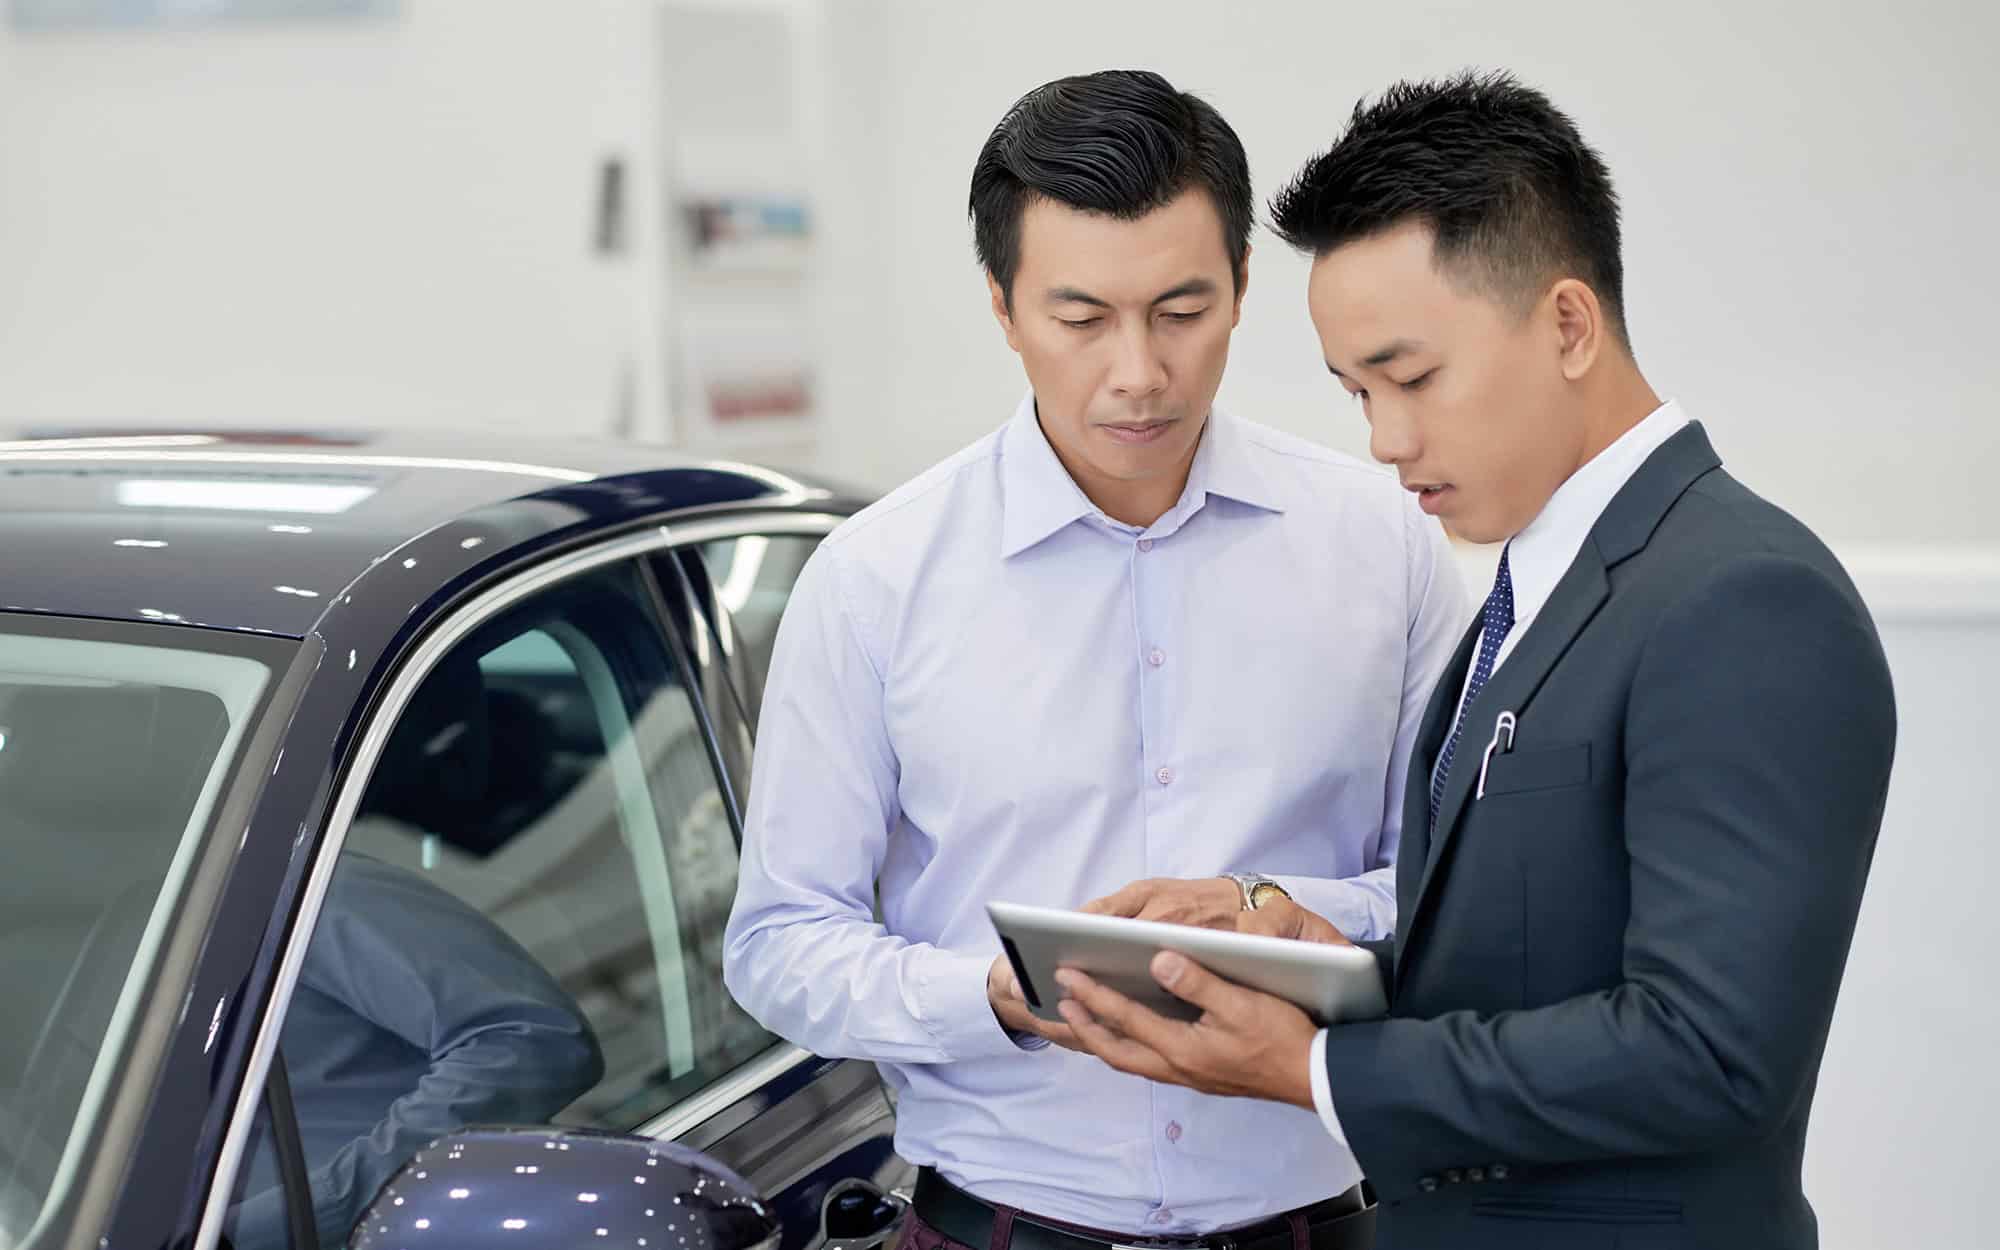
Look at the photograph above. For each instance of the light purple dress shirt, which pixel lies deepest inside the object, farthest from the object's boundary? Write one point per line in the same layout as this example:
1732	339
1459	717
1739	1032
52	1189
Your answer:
984	688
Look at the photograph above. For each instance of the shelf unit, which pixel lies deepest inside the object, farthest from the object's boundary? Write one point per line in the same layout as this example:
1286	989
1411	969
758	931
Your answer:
739	252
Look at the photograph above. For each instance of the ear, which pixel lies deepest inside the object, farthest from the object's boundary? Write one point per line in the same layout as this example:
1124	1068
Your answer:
1580	329
1242	288
1001	315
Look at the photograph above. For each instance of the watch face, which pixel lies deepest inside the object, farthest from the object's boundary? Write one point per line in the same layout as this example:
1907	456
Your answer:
1265	891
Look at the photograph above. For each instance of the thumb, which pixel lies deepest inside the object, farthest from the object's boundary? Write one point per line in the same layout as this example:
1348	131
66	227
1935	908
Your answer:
1190	982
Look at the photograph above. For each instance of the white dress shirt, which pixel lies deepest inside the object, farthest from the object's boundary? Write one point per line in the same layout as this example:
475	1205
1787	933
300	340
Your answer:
1537	558
984	688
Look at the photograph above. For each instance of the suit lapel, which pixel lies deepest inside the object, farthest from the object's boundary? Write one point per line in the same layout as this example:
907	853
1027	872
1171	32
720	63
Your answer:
1625	528
1413	848
1576	598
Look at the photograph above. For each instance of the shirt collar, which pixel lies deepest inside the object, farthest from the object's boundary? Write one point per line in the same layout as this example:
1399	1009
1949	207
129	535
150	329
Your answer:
1225	466
1039	497
1539	555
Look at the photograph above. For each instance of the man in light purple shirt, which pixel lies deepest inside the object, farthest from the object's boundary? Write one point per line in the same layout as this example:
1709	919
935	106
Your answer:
1125	639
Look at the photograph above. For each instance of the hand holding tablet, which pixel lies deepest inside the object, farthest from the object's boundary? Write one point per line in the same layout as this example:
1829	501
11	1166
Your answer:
1329	983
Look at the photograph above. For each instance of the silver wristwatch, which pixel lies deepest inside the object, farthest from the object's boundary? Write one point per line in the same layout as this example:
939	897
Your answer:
1257	888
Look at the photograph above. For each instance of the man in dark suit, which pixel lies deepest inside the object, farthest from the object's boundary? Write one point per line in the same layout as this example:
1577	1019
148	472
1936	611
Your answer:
1647	791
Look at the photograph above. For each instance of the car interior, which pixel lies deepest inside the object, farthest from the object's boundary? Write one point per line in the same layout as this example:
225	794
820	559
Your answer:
551	772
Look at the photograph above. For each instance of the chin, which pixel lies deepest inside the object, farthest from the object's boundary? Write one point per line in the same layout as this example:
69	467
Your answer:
1474	532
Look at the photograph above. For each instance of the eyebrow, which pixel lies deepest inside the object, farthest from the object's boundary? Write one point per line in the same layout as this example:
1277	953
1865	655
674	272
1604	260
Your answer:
1382	356
1192	287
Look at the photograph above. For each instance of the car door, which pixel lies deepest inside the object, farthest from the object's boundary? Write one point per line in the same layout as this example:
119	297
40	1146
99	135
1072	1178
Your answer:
521	919
800	1124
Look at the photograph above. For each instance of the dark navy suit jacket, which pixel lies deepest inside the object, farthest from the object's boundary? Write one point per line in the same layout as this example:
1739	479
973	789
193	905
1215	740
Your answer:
1614	973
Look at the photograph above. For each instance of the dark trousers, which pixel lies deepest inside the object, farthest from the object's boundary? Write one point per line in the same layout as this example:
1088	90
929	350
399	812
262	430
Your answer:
1317	1228
917	1235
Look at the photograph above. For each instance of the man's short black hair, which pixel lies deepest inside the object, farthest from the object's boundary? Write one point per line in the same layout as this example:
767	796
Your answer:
1118	142
1515	198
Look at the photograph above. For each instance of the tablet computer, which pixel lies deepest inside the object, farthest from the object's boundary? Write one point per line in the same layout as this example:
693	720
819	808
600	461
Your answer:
1329	983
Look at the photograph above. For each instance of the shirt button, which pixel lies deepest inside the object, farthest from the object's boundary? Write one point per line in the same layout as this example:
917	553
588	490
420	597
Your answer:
1427	1184
1163	1216
1145	544
1156	657
1174	1131
1165	776
1498	1171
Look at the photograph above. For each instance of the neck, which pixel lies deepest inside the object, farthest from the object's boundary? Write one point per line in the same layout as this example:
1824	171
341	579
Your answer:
1136	503
1626	400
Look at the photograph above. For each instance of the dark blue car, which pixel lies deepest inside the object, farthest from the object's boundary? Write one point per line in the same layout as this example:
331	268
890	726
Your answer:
355	791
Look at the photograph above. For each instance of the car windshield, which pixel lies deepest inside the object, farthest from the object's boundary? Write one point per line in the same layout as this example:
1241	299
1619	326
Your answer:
114	743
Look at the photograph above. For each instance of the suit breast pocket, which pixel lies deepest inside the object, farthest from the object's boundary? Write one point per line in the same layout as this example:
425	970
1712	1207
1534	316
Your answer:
1538	768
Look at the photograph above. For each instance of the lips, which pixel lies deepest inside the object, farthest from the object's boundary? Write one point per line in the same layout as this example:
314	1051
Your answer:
1429	497
1144	432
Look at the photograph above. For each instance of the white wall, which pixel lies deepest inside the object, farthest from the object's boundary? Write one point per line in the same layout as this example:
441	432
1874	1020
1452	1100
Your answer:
1902	1138
384	222
1808	190
329	222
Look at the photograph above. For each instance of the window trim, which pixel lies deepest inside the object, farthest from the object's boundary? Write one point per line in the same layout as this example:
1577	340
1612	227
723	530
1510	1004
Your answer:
723	756
415	667
293	1176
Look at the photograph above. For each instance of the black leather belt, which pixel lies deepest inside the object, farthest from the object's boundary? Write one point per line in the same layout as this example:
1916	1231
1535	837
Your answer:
1343	1222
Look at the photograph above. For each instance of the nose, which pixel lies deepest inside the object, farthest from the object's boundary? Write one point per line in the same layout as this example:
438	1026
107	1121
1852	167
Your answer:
1137	372
1392	438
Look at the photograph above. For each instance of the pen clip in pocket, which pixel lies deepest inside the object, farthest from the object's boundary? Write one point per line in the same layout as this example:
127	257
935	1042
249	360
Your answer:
1503	742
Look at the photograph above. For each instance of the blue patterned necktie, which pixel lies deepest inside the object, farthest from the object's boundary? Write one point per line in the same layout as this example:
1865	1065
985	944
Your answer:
1495	620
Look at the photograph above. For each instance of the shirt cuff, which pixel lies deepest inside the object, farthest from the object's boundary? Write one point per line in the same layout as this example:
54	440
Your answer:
953	1006
1323	1092
1341	902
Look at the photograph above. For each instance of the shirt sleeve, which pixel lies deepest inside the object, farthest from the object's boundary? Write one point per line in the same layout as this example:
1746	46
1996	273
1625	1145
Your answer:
1323	1093
1364	907
804	952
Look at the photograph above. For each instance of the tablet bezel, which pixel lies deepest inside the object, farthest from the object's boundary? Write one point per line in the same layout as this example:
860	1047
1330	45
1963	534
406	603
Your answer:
1332	984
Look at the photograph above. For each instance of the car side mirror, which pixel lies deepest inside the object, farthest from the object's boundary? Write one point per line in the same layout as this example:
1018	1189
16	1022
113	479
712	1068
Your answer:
552	1188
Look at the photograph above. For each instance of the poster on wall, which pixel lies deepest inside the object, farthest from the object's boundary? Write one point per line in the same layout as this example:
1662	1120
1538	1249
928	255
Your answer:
747	375
68	14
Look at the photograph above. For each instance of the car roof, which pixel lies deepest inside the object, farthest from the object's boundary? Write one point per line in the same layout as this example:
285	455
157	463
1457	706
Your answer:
261	531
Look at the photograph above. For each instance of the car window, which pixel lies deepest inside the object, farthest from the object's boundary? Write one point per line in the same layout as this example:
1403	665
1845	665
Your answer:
525	923
115	745
746	582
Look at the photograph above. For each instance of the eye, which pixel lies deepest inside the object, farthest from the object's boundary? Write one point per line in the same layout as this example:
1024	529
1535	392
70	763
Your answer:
1083	324
1420	381
1183	316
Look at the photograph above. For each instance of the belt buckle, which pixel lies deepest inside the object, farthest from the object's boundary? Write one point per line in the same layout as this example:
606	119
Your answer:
1175	1243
